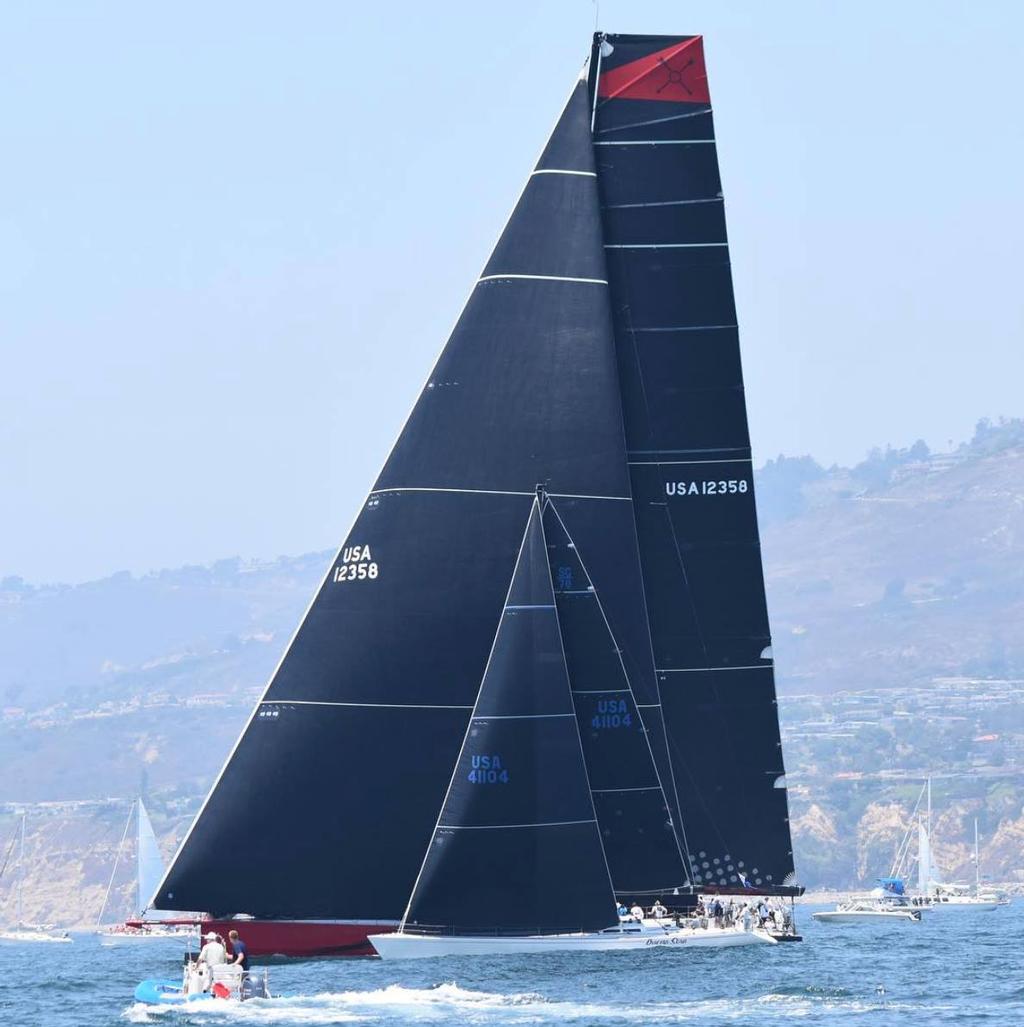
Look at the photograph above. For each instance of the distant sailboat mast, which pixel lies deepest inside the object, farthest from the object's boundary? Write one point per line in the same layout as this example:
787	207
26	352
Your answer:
977	864
21	867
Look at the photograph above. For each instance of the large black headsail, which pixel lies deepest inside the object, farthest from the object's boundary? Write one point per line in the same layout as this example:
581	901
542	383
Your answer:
517	846
689	454
336	783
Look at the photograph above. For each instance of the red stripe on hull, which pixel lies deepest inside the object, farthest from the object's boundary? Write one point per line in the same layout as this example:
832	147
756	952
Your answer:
301	939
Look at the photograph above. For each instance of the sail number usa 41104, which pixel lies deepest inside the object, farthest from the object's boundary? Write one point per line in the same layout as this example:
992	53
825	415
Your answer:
357	564
708	487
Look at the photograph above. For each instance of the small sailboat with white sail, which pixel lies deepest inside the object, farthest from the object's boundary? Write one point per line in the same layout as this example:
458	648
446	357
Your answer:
933	892
160	925
21	931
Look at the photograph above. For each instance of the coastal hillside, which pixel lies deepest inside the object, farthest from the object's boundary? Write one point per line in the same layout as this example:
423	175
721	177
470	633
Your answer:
896	592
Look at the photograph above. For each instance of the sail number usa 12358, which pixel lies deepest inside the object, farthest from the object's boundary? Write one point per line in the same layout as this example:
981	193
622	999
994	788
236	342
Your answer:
708	487
357	564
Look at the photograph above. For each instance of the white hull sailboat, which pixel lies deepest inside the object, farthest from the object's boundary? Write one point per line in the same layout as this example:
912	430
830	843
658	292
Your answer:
149	871
867	912
407	945
30	933
934	893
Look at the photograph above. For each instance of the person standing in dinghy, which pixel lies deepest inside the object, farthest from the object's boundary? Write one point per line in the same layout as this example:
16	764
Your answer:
239	951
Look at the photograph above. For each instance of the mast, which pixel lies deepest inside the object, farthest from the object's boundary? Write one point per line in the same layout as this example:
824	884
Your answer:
117	860
977	864
688	446
929	807
21	868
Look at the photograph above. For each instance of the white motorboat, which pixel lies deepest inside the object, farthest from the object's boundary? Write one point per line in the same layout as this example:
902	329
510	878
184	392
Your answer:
868	911
34	933
405	944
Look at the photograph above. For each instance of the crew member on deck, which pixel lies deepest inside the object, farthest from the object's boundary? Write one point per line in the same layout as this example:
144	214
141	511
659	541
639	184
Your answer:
638	912
239	951
658	911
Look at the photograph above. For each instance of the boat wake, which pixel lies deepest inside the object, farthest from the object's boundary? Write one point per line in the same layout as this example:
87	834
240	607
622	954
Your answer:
450	1003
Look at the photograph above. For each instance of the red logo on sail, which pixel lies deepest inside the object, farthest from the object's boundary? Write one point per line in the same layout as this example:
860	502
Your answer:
676	74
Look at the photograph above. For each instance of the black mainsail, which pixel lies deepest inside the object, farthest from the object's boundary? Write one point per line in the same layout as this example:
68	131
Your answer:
691	477
596	366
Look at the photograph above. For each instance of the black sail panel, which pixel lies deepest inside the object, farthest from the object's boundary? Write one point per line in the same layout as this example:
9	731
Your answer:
634	815
352	746
517	846
678	352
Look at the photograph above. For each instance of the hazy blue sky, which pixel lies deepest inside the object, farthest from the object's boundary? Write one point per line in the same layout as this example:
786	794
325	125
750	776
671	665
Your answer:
234	235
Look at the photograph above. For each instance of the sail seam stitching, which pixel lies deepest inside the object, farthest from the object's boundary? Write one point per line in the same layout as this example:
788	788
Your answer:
654	142
545	278
563	171
697	670
501	827
661	245
521	716
369	705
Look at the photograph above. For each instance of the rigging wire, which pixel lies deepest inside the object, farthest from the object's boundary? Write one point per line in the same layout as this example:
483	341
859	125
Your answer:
117	859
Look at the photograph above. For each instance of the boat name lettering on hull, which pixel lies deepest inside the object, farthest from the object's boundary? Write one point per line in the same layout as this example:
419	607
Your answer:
709	487
488	770
357	564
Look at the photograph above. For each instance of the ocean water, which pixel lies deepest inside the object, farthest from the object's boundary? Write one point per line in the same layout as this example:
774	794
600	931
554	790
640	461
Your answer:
953	968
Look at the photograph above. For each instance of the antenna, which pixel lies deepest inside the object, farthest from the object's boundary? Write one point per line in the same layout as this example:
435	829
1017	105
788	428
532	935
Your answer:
597	14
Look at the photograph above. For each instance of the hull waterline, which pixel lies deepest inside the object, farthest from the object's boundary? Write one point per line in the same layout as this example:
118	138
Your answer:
868	916
425	946
302	939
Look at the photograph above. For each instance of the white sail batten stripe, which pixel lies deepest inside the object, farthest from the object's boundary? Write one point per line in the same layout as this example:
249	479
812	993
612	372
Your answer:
700	670
663	203
661	245
531	606
730	460
598	691
570	495
521	716
545	278
563	171
503	827
367	705
654	142
683	328
608	791
494	492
